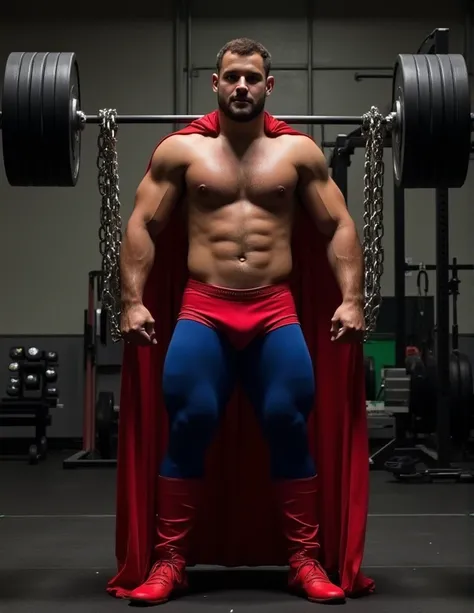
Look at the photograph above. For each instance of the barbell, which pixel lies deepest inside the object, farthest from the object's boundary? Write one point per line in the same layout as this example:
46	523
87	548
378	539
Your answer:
42	120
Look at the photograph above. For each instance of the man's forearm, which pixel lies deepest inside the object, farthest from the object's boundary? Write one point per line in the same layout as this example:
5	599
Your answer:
136	260
347	261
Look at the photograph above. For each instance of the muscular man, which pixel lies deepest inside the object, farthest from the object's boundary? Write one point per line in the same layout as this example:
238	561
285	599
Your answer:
238	191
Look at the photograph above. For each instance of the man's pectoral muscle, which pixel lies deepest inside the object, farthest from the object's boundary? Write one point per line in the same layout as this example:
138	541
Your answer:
325	203
155	199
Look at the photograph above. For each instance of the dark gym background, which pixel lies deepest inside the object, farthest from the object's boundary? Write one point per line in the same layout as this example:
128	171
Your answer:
57	526
136	60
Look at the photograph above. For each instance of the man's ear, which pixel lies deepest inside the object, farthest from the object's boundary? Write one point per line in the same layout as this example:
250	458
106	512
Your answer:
270	85
215	81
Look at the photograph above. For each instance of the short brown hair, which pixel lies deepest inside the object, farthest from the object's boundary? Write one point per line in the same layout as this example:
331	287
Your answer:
245	46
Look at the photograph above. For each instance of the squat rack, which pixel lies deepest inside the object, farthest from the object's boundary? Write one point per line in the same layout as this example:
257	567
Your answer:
344	147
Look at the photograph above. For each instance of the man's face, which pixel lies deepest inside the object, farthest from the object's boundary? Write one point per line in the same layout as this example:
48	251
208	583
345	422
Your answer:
241	86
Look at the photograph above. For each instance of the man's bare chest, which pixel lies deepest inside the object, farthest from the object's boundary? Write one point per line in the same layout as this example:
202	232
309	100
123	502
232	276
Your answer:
265	173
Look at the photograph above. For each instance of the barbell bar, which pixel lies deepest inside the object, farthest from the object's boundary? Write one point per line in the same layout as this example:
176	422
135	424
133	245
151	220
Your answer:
322	120
42	120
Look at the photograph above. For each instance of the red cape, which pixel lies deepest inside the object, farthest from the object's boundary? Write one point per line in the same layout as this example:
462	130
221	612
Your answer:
238	523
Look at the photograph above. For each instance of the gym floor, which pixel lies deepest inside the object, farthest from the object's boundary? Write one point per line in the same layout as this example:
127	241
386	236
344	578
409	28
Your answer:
57	541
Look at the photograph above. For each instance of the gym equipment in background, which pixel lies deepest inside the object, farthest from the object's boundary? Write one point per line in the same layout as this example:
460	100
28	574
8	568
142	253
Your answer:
100	414
419	461
31	392
436	43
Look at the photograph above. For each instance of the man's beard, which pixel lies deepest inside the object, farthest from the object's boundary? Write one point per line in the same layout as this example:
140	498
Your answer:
244	115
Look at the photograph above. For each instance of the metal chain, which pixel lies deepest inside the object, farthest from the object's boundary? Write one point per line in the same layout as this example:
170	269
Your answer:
373	125
110	231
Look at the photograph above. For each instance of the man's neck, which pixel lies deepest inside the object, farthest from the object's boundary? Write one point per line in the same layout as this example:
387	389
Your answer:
241	134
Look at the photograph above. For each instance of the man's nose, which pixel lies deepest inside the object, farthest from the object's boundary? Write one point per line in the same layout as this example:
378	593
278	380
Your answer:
242	85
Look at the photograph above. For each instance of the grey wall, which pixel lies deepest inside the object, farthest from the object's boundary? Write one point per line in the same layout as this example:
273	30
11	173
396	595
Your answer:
49	237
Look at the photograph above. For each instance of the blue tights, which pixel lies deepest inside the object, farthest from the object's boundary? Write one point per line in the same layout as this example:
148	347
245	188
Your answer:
200	371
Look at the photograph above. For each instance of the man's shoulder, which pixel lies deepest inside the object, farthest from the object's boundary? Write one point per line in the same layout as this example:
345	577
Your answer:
181	139
298	140
302	148
177	147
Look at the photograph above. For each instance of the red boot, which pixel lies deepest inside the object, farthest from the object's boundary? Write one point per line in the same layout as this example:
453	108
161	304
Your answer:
178	499
297	501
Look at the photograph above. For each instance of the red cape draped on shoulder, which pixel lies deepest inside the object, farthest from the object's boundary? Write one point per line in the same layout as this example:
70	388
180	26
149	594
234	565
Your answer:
238	522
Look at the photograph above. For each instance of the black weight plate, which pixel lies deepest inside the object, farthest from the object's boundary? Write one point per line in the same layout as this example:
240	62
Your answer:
445	158
23	101
436	138
40	170
405	105
457	119
453	377
455	408
412	155
51	153
421	174
12	147
67	137
460	408
444	99
465	379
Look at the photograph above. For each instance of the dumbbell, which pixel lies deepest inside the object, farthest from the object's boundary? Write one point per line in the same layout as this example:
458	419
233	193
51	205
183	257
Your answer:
13	390
32	382
33	354
14	367
51	375
52	357
17	353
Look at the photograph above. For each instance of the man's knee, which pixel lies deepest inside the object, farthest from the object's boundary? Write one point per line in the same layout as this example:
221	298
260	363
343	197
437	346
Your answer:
287	405
191	405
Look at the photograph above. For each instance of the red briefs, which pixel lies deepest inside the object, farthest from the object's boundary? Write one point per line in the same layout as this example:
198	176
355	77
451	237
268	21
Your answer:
242	314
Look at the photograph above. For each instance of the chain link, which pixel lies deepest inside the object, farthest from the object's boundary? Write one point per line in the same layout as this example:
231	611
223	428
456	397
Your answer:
110	231
373	126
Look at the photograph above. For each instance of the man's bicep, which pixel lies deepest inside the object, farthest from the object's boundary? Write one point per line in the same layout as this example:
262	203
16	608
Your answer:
320	194
162	186
326	204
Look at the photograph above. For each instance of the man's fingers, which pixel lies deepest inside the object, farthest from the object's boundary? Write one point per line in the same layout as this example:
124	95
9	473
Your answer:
141	337
150	328
349	333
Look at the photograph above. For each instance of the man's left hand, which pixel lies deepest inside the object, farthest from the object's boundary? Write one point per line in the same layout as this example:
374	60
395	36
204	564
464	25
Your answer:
348	323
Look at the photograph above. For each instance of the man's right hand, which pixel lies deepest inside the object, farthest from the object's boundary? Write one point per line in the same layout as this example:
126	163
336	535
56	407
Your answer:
137	325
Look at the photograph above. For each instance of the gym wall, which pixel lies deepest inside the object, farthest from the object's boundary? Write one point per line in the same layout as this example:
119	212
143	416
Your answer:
49	236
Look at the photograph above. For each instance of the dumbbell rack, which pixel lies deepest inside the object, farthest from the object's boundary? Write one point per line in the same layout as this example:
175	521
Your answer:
31	408
31	412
